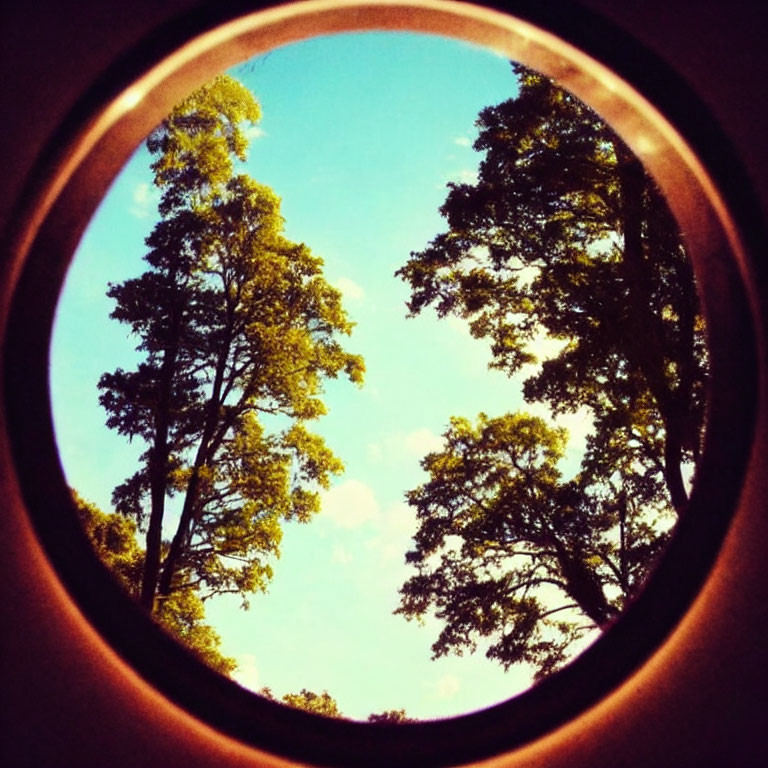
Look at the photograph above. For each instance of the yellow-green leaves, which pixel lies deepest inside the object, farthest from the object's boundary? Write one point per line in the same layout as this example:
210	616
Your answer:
196	144
182	615
317	703
114	539
238	330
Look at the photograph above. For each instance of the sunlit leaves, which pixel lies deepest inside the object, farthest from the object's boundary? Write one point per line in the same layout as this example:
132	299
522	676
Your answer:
113	537
182	614
196	145
239	330
309	701
391	717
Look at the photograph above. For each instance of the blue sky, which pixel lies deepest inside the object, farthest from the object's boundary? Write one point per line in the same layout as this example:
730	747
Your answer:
359	136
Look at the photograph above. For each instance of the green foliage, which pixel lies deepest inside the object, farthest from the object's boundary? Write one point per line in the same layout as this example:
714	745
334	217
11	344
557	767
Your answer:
316	703
239	330
324	704
114	539
509	552
182	614
565	239
197	144
391	717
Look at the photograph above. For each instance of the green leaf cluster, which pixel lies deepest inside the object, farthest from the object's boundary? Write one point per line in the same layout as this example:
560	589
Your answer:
309	701
391	717
114	539
512	555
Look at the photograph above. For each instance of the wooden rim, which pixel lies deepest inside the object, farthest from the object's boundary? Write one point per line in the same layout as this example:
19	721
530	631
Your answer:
586	56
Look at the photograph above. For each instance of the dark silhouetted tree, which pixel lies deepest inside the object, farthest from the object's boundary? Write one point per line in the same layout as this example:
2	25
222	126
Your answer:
564	238
510	553
391	717
324	704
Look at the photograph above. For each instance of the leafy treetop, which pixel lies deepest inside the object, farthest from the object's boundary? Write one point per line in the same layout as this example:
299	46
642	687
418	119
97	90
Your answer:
566	237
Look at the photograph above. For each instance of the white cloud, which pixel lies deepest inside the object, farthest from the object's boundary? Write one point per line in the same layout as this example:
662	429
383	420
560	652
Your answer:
400	446
247	673
545	347
422	441
251	131
579	425
394	535
341	555
349	504
447	686
350	289
463	176
401	518
463	141
141	193
145	197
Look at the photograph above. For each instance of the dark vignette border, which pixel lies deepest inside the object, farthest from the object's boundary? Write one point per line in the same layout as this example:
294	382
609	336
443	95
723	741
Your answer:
232	710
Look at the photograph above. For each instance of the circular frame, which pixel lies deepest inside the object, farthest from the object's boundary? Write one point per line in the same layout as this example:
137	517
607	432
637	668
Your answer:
708	200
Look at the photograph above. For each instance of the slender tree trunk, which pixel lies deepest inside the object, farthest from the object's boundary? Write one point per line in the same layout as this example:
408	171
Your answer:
644	333
158	464
154	538
673	458
205	451
623	543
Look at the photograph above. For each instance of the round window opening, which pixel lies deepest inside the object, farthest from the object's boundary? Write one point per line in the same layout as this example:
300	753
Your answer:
395	340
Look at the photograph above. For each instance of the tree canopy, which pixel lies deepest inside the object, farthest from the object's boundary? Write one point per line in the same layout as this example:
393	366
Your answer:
238	330
391	717
565	257
114	539
317	703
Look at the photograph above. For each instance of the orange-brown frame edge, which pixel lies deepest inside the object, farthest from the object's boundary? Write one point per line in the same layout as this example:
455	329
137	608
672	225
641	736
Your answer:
110	692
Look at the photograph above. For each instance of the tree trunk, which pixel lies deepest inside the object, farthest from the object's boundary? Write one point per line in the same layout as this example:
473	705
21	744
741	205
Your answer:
582	585
644	331
673	457
158	462
205	452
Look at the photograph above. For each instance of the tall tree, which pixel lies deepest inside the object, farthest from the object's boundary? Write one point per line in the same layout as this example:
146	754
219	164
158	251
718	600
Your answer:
511	554
566	238
238	329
